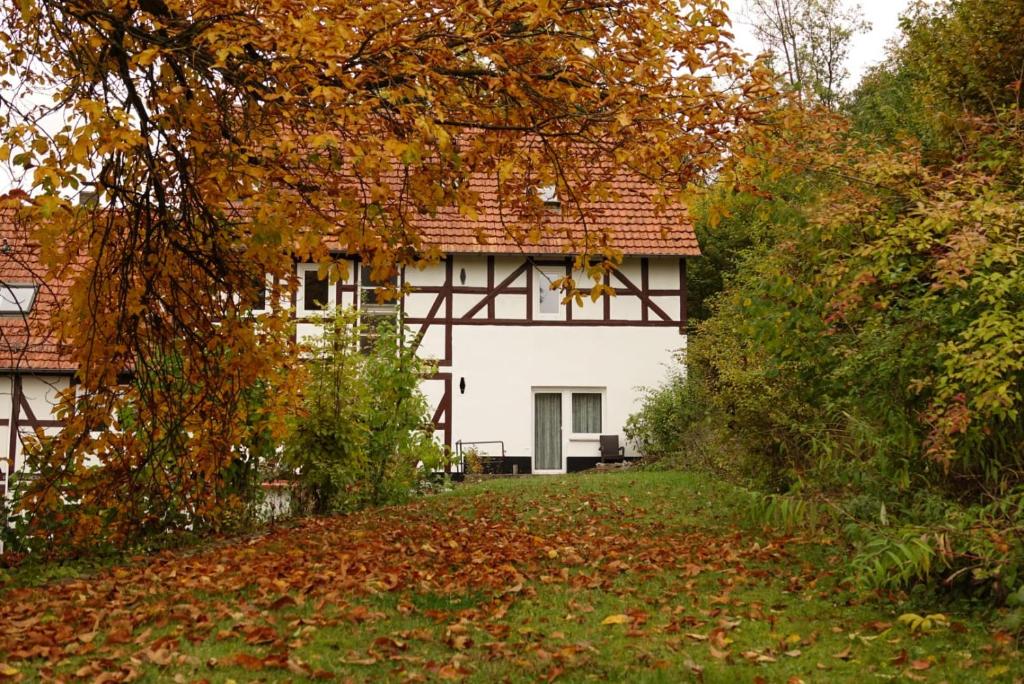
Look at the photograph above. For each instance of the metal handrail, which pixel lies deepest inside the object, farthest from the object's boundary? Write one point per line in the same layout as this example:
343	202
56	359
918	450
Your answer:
459	444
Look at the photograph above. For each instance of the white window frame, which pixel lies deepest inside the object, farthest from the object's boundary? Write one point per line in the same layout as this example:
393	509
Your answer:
268	295
568	435
587	436
12	298
376	309
543	278
300	303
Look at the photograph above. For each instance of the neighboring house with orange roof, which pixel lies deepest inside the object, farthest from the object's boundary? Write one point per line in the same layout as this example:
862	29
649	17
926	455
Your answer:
33	367
522	377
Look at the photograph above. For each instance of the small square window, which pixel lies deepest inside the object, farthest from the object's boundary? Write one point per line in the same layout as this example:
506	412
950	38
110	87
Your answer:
548	194
586	412
17	299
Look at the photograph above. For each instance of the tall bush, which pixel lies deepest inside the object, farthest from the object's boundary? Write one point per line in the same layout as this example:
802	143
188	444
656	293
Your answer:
363	434
866	343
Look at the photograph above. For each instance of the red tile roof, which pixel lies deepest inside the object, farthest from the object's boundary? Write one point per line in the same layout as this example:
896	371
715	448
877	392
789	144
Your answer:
630	223
26	342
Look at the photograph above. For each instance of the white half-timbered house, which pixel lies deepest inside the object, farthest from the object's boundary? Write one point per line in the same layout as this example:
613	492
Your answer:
33	369
530	382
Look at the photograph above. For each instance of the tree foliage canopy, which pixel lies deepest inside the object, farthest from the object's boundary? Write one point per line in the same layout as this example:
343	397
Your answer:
175	151
865	341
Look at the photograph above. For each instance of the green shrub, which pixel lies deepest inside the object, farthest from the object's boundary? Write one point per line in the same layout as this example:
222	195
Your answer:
364	433
676	430
666	414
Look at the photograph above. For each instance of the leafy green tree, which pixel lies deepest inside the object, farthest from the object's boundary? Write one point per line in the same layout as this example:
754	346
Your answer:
955	57
866	345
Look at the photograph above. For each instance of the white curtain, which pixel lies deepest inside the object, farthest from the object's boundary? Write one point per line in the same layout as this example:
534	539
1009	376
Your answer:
586	413
548	431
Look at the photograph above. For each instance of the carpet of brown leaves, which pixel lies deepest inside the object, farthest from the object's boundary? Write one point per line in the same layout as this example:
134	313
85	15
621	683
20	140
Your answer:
113	625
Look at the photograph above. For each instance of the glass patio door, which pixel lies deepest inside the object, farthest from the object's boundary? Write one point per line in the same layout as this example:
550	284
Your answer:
547	431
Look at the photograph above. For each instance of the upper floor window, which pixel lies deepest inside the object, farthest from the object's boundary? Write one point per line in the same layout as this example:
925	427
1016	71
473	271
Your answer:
549	302
17	298
315	293
371	292
261	301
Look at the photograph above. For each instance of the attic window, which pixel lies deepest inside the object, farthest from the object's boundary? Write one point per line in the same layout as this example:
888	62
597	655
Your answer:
548	194
17	299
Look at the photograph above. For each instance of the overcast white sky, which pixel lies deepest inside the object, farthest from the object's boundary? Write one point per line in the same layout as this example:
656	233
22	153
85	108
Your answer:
865	50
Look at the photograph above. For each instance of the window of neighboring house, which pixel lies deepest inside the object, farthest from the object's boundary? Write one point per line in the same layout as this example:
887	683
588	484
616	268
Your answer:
586	412
315	293
260	302
261	295
549	302
17	299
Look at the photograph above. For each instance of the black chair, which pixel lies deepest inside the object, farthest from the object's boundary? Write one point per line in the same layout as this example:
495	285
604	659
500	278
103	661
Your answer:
611	452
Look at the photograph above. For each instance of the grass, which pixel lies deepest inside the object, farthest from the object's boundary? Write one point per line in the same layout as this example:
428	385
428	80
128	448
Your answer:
639	577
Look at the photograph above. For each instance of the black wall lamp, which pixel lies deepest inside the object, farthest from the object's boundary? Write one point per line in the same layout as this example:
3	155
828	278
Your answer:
462	385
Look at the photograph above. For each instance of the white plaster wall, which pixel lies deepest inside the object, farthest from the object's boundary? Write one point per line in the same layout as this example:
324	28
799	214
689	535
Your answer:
425	274
662	273
510	307
41	391
417	304
502	365
475	266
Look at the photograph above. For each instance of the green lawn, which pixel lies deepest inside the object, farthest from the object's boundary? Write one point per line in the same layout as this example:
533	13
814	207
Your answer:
639	577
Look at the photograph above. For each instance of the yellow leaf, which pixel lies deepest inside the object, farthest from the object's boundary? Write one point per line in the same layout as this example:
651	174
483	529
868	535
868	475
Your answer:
147	56
7	671
615	620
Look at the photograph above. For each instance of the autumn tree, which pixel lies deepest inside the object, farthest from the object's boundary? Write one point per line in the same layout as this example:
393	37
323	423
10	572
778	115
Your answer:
866	346
809	41
173	152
